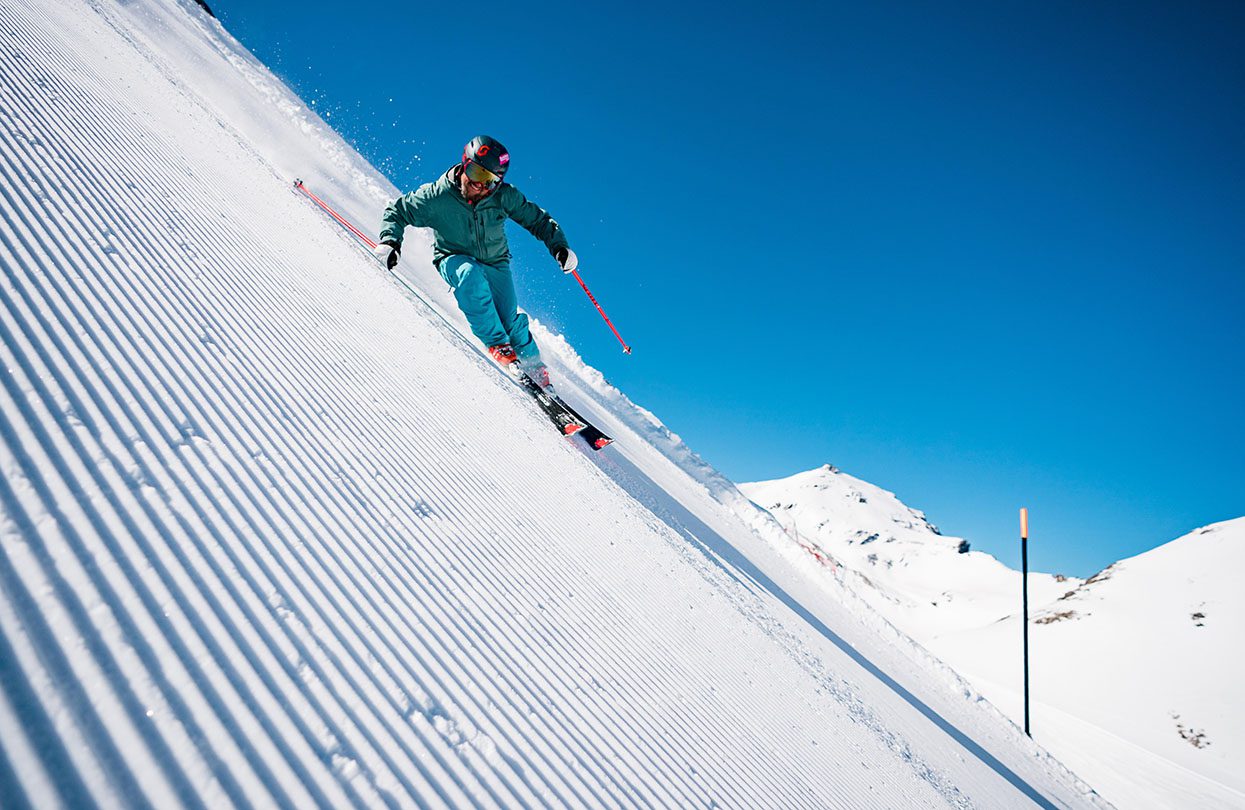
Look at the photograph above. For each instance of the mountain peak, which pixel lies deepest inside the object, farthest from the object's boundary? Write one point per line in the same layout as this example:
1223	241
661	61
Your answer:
894	556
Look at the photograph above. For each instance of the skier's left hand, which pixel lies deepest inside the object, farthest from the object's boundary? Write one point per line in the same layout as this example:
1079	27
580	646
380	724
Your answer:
567	259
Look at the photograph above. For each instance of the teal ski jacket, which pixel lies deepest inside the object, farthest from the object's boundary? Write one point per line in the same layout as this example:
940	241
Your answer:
462	228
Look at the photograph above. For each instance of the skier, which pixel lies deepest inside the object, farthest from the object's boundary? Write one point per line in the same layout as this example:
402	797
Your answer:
467	209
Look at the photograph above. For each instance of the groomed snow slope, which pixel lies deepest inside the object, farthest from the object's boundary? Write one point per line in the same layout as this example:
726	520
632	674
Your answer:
273	533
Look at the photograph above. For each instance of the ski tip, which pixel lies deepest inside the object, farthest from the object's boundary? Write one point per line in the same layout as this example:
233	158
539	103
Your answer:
571	430
602	443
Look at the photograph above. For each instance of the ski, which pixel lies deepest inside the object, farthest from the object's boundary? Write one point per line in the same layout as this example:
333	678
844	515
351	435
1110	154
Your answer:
591	433
561	417
564	417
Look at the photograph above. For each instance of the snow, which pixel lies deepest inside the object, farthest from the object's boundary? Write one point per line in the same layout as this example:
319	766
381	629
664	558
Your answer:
275	533
1135	672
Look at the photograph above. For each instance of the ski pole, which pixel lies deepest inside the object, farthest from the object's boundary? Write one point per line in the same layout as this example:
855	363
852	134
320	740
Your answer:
592	298
298	184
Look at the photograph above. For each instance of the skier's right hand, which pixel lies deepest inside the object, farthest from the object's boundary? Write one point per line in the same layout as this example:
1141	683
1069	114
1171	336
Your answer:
387	253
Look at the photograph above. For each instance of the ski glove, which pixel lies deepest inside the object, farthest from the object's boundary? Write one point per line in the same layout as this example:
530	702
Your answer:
387	253
567	259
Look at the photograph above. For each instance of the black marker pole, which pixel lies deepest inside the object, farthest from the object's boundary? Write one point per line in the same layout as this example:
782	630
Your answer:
1024	598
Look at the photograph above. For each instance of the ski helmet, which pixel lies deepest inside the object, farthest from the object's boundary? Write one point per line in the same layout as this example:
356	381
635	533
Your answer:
483	152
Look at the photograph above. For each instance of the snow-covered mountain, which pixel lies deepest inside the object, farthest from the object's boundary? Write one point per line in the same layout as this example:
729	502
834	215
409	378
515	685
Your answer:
926	583
273	532
1136	672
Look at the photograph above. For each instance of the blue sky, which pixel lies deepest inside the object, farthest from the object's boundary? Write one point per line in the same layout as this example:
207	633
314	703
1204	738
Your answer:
985	255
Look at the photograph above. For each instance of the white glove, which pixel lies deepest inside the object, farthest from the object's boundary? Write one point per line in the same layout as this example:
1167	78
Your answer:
387	254
568	260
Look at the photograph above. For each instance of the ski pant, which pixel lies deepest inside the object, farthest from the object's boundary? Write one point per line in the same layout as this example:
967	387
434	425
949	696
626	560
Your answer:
485	294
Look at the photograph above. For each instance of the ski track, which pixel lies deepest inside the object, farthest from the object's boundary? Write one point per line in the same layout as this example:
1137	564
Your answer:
245	563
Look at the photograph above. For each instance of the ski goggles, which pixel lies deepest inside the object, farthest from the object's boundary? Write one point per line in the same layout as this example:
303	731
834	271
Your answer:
480	175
